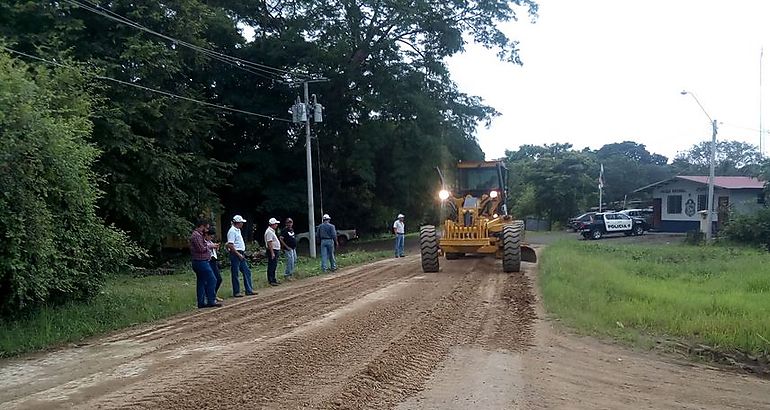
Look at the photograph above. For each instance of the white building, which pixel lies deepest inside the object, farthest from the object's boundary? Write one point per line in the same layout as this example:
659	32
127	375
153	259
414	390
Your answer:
676	201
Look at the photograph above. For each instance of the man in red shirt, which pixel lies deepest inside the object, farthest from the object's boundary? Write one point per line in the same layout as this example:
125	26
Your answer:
200	255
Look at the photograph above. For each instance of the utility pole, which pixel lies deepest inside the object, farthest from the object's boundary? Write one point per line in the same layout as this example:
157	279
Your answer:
309	160
301	112
712	159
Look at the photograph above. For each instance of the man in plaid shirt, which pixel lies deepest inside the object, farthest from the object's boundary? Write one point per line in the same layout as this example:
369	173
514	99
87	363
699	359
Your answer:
200	255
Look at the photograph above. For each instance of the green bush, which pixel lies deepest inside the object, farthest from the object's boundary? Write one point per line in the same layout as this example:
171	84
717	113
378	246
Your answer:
54	247
751	229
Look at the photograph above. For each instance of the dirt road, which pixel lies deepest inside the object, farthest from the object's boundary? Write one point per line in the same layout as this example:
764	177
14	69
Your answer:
379	336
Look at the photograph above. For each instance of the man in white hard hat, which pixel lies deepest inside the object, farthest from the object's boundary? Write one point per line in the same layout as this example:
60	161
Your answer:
273	250
398	229
237	247
327	233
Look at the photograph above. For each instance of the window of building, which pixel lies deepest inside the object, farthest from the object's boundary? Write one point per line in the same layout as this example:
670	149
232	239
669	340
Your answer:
674	204
761	198
702	202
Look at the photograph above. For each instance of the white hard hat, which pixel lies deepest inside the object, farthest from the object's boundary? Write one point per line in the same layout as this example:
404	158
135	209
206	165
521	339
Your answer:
238	218
400	215
273	221
326	217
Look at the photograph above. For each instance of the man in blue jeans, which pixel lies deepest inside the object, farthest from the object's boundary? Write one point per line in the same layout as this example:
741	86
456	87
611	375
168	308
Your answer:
204	277
398	229
289	244
237	247
328	235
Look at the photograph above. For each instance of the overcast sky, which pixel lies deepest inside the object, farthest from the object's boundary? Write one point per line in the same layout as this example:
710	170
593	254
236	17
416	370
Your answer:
603	71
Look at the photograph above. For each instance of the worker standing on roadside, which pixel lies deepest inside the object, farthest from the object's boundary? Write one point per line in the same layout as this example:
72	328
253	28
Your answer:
213	262
273	251
398	229
237	247
204	276
328	236
289	243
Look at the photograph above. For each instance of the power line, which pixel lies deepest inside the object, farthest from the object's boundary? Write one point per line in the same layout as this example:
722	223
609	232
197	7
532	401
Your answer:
234	61
745	128
95	8
166	93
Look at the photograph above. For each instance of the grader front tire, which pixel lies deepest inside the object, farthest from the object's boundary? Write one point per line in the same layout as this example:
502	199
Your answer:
429	248
512	248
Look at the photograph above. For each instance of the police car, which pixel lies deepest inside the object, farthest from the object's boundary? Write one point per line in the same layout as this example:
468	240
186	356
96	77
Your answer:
610	223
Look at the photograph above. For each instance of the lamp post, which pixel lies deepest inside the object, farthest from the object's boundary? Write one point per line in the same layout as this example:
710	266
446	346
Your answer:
712	159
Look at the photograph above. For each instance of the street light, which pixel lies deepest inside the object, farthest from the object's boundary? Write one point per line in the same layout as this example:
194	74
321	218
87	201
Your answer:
712	159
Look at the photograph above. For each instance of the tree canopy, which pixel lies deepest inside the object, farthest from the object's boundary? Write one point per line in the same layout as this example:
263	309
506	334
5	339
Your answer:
392	112
557	182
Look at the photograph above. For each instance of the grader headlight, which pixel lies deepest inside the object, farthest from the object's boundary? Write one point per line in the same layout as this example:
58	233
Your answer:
493	194
443	194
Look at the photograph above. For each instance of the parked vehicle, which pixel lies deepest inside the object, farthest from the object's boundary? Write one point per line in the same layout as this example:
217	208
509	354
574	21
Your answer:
645	214
607	223
343	236
576	222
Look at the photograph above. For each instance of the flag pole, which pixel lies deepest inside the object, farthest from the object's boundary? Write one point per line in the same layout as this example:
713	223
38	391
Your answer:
601	185
600	198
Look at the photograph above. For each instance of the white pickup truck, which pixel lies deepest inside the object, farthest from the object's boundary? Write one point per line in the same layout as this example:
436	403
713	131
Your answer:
343	237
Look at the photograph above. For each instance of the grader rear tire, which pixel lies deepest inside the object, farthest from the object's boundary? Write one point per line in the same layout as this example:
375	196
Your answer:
512	248
429	248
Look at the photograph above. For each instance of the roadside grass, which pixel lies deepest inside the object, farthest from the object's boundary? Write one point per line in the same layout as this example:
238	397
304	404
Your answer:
127	300
718	296
383	236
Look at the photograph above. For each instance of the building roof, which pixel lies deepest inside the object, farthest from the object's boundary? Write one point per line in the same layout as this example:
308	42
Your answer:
719	182
728	182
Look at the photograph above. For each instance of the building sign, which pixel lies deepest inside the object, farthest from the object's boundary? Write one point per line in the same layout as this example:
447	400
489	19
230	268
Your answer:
689	207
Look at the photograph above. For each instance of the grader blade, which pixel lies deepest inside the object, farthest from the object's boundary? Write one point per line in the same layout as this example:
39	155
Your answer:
528	254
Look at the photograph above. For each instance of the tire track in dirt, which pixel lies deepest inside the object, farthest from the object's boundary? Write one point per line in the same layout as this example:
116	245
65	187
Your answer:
307	363
184	341
367	338
240	314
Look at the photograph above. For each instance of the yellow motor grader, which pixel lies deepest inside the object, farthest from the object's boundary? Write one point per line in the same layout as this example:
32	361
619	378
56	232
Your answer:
476	220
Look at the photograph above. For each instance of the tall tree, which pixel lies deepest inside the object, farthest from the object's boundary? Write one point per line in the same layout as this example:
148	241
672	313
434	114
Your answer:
157	170
392	112
732	158
628	166
54	246
553	179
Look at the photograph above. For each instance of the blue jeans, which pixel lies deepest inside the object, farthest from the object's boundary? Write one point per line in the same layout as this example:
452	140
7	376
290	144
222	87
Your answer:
399	244
217	274
327	254
291	259
237	264
206	283
272	265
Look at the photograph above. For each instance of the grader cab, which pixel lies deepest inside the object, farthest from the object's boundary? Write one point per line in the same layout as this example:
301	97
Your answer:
476	220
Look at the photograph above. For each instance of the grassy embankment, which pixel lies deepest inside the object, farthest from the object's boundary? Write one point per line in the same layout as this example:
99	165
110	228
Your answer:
712	295
127	301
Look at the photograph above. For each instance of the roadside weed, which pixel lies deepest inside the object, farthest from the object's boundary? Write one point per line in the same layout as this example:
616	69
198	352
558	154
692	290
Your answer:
712	295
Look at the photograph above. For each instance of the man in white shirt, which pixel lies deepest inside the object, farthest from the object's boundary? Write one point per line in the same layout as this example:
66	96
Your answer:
237	247
273	246
398	229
